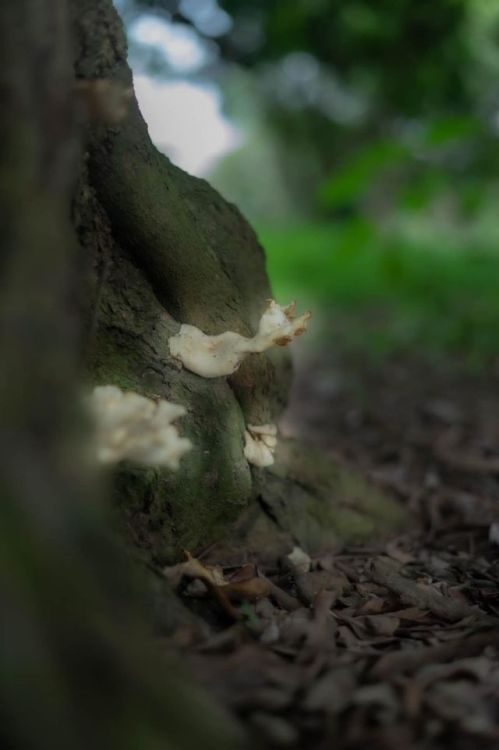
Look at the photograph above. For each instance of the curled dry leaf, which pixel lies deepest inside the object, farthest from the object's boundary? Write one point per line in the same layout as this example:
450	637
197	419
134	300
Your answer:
250	589
215	356
194	568
243	572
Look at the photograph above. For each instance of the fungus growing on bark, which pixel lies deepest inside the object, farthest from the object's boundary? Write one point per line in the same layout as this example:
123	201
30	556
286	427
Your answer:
260	444
299	560
135	427
214	356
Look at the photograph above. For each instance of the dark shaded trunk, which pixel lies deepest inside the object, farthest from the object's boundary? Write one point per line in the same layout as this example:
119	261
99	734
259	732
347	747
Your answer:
75	670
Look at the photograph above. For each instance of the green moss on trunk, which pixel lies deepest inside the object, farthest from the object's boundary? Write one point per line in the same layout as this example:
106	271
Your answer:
164	248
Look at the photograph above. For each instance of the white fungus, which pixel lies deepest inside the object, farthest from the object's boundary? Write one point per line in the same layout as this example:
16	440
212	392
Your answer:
299	559
137	428
214	356
260	444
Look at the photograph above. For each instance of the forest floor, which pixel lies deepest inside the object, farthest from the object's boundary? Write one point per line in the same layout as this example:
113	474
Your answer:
392	645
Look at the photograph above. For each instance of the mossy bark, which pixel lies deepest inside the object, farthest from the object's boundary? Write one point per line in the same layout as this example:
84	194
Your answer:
164	248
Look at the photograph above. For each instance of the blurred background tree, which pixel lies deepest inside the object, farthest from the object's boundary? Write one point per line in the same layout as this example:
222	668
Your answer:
369	155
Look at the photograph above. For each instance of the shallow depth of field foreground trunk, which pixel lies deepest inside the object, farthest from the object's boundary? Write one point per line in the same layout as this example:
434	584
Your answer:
75	670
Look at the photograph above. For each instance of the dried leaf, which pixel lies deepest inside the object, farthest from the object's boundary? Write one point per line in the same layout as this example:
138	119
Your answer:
424	597
252	589
382	624
332	692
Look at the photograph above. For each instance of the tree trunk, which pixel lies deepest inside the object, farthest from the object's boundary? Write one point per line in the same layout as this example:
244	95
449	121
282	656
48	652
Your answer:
166	249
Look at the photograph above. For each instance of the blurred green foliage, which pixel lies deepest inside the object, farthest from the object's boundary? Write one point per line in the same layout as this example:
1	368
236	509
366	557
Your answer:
351	180
405	54
391	293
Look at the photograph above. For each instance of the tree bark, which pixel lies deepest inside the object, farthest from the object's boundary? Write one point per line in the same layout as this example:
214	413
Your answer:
167	249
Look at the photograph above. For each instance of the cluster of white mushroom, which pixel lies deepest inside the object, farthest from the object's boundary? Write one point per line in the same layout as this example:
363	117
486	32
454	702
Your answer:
137	428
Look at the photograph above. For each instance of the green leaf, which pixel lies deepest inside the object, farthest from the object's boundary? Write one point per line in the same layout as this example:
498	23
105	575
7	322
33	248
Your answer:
447	129
352	180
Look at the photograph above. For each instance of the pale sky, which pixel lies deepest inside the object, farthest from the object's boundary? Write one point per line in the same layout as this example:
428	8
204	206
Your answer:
186	122
185	119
